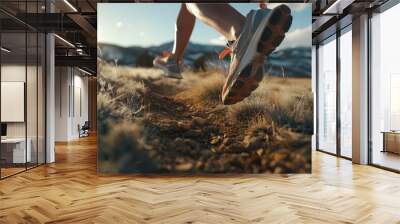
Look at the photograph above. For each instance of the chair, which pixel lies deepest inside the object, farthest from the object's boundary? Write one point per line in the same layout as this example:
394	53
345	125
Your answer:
84	130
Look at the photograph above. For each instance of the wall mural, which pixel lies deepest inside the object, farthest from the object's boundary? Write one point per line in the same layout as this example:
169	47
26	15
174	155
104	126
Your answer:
189	88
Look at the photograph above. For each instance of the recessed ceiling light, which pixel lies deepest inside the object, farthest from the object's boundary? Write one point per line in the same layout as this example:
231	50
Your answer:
84	71
331	7
64	40
5	50
70	5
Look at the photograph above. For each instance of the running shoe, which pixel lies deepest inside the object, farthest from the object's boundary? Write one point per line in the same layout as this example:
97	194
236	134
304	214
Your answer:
264	30
168	64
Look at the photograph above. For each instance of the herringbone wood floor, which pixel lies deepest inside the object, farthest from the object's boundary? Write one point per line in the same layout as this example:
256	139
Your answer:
70	191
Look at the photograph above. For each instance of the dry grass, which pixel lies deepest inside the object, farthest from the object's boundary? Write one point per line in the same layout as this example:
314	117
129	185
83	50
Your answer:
282	89
121	91
120	99
123	72
263	124
205	89
125	150
286	102
248	110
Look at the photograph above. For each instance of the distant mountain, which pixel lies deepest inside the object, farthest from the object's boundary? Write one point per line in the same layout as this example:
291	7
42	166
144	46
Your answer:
285	62
290	62
129	55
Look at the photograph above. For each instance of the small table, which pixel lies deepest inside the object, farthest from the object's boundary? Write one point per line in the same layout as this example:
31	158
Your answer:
13	150
391	141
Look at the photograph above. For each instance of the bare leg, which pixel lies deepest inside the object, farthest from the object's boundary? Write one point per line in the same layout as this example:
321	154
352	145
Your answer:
222	17
183	30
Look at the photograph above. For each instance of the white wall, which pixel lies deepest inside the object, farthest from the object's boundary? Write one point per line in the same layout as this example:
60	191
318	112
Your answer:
12	73
33	127
79	117
62	81
70	83
16	73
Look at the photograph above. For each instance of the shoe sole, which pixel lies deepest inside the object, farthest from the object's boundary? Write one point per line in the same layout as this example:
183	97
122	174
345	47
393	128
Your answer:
277	24
168	74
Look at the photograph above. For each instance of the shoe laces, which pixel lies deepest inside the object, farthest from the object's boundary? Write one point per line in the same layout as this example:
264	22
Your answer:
228	48
166	54
170	56
224	53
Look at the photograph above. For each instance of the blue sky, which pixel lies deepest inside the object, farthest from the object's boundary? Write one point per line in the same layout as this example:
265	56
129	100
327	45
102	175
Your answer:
147	24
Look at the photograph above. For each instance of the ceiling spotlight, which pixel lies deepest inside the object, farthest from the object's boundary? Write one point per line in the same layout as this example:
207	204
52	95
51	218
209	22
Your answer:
84	71
65	41
70	5
5	50
337	7
332	8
